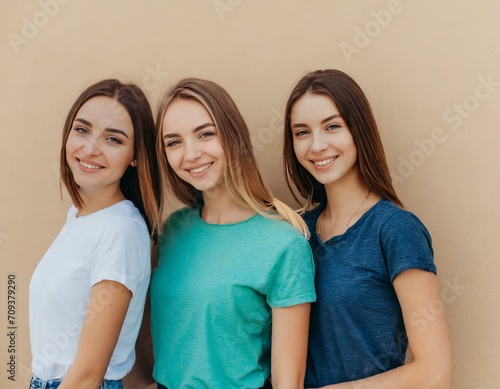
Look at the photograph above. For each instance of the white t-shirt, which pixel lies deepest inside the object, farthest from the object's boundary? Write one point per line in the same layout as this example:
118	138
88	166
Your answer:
110	244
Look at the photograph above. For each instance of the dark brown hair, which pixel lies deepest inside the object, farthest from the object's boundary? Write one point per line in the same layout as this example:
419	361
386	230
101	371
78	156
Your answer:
140	184
355	109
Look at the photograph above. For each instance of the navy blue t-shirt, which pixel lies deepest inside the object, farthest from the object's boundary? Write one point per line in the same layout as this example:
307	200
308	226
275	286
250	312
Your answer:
357	327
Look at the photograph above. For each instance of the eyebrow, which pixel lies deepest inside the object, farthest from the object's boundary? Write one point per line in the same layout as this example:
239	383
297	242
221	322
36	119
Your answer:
112	130
334	116
195	130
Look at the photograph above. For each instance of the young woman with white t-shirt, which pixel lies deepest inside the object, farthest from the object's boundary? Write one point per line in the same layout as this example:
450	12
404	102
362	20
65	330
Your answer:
87	294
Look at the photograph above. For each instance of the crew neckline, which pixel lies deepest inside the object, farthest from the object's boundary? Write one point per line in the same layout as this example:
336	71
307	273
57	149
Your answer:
81	219
200	219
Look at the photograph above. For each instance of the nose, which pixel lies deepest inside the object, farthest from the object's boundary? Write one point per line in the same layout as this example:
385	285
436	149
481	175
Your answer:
318	142
91	146
192	152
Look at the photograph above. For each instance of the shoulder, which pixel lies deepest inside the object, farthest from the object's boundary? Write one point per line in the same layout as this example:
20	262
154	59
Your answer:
71	214
278	230
311	216
279	238
122	220
183	214
395	220
291	272
119	242
177	221
405	241
313	213
181	217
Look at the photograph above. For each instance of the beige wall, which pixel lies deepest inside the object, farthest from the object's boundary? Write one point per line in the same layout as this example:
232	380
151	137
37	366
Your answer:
423	65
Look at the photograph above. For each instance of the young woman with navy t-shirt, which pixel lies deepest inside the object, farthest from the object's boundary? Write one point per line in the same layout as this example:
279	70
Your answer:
375	273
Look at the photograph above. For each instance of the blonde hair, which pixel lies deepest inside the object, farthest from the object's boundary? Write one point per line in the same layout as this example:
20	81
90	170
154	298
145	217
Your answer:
242	177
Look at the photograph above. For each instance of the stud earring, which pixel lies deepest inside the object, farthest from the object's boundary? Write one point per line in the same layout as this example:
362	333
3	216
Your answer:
133	163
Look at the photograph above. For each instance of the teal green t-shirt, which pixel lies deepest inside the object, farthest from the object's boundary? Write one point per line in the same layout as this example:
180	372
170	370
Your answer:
212	294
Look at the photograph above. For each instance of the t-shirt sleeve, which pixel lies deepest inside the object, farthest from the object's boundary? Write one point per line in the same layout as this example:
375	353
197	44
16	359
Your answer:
407	244
122	253
291	281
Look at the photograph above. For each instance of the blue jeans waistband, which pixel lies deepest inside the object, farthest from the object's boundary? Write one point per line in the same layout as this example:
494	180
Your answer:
37	383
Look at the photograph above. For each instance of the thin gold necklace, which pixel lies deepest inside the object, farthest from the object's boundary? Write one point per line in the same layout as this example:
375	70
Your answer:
347	224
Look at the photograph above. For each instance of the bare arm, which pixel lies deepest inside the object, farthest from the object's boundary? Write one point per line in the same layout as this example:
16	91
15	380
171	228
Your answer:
425	324
289	346
108	305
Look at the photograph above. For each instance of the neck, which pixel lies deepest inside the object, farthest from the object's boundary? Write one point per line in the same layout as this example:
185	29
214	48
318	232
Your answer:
346	201
220	208
343	197
96	200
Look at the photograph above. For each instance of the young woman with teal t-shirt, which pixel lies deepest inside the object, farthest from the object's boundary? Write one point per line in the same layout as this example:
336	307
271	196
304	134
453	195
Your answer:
231	265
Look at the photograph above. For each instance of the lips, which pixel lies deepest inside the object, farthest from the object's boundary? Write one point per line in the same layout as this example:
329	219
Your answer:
200	169
323	162
88	165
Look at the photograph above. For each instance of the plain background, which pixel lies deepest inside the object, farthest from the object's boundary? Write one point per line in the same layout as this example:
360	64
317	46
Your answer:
431	70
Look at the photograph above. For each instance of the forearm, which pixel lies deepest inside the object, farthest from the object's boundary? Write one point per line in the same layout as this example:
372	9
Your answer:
288	384
81	378
415	375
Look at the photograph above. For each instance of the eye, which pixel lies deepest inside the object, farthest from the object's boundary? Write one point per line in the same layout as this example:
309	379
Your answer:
114	139
207	134
81	130
333	127
300	133
172	143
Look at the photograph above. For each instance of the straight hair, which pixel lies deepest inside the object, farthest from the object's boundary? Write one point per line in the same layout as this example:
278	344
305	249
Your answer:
241	175
355	109
139	184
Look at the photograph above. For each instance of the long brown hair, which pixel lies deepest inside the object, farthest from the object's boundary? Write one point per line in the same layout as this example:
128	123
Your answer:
355	109
140	184
241	175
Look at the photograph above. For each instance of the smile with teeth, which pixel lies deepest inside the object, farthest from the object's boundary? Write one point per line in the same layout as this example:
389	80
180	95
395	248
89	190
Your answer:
200	169
89	166
324	161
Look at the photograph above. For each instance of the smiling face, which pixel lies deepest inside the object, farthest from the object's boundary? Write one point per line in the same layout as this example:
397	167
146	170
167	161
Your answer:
192	145
100	145
322	142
